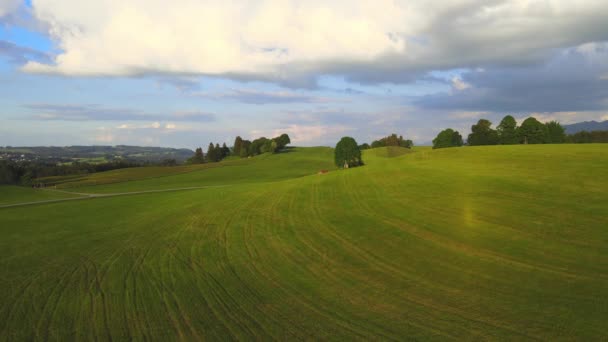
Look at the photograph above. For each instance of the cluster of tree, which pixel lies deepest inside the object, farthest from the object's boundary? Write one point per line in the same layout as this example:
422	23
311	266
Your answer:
246	148
242	148
347	153
25	173
585	137
447	138
507	132
391	140
215	153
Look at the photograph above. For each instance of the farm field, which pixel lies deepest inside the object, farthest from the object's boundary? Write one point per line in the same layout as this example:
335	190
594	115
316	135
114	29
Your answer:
475	243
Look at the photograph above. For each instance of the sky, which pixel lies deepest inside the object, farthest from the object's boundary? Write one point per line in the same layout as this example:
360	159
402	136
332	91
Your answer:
188	72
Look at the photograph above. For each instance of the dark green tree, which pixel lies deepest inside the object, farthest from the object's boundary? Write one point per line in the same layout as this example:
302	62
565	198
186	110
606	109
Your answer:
211	153
507	131
364	146
238	144
378	143
225	151
198	157
258	146
482	134
282	141
532	131
245	148
555	133
347	153
447	138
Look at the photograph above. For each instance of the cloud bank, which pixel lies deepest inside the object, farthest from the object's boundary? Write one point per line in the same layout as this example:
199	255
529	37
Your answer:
294	41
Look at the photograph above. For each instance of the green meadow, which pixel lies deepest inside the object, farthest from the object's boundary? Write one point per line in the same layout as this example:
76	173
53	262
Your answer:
471	243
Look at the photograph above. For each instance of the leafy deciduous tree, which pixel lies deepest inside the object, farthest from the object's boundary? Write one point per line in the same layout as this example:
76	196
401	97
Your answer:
532	131
507	131
555	133
347	153
482	134
447	138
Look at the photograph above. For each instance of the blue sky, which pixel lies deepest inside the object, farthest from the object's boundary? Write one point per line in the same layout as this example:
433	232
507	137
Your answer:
142	73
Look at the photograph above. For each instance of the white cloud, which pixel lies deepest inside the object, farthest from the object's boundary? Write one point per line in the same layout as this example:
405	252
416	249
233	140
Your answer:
8	6
310	133
281	39
459	84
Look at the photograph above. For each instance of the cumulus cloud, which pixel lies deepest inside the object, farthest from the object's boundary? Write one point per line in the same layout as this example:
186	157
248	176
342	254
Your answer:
291	41
8	6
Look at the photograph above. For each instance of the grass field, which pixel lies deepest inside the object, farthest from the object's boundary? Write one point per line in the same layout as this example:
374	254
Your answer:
483	243
18	194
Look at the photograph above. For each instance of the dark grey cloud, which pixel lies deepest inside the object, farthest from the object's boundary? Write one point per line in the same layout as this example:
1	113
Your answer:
573	80
94	112
20	55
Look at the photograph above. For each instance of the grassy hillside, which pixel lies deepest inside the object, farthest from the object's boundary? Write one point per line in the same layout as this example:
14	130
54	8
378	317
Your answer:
296	162
498	242
18	194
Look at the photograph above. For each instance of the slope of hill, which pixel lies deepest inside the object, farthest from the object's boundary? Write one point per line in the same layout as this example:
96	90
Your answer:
474	243
586	126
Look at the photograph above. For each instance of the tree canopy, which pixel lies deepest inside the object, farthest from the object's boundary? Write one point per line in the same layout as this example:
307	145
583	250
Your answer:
197	158
482	134
507	131
347	153
532	131
392	140
555	133
447	138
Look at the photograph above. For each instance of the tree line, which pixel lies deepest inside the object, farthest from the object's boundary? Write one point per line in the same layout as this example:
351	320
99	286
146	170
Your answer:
347	153
391	140
585	137
25	173
241	148
531	131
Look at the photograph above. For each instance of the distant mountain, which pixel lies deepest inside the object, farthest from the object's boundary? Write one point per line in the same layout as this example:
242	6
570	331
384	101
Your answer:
586	126
94	154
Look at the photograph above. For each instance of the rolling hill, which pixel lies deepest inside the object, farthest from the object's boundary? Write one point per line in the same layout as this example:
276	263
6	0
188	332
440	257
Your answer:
494	242
586	126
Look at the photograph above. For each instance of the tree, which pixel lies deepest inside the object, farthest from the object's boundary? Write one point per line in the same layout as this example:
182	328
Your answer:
282	141
258	146
447	138
555	133
238	144
211	153
532	131
406	143
482	134
507	131
245	149
364	146
274	147
225	151
198	157
378	143
347	153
